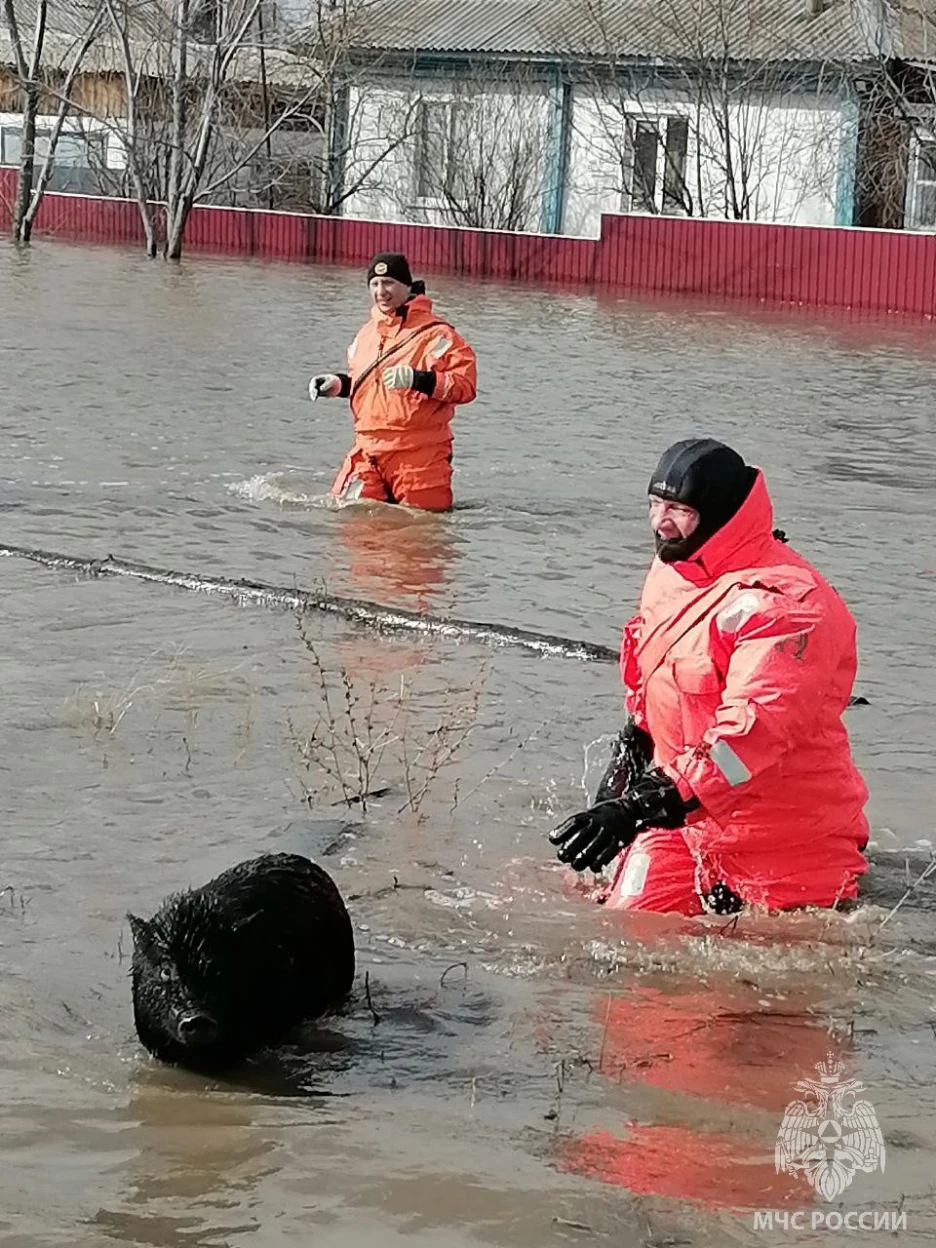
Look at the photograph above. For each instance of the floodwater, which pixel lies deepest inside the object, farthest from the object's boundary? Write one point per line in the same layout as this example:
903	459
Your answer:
516	1067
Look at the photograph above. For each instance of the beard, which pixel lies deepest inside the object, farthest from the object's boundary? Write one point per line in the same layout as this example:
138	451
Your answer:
677	549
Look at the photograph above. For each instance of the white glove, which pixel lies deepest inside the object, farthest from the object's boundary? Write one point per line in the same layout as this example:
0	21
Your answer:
398	377
324	386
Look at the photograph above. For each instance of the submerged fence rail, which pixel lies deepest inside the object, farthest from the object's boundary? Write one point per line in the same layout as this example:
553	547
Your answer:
868	271
354	610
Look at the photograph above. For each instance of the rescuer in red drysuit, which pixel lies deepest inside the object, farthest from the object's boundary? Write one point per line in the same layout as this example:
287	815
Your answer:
407	372
733	782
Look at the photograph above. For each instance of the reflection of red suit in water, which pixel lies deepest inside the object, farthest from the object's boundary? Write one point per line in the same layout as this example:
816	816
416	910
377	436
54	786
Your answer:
727	1055
740	665
393	557
397	559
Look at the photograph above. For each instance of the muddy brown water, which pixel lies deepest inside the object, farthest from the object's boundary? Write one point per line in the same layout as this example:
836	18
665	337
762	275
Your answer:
516	1066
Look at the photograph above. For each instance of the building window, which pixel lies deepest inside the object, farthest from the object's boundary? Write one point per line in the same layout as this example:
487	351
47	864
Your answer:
77	163
11	145
655	165
437	131
922	189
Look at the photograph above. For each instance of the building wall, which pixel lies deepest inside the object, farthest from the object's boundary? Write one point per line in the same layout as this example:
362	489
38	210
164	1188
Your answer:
776	158
102	95
87	149
9	89
459	150
91	157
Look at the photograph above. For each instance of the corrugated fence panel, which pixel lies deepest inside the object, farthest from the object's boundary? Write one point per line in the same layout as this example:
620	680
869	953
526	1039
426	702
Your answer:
853	272
280	235
76	216
899	275
220	229
85	217
7	191
865	270
914	275
921	269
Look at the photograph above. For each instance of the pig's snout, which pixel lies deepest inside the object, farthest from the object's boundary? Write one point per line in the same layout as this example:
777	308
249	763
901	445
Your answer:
196	1028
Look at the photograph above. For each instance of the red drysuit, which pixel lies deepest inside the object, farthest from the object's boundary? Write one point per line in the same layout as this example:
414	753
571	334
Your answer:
739	665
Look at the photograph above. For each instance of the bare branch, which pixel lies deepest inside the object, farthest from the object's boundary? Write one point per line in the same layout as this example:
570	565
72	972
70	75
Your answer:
42	17
9	13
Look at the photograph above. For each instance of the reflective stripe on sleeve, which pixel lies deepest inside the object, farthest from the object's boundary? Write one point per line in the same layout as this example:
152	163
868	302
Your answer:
728	763
731	618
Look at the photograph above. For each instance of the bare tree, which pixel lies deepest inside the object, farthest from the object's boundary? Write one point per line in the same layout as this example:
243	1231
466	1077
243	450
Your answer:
129	131
214	92
219	105
350	155
33	76
196	109
888	133
896	180
358	151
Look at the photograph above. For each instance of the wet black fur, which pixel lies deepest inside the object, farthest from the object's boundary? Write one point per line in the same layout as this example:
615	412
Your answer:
264	946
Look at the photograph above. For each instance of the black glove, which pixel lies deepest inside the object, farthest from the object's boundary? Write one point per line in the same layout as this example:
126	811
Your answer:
329	386
424	381
405	377
658	802
631	755
594	837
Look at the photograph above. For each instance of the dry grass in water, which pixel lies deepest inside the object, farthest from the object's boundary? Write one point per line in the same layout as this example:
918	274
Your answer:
167	680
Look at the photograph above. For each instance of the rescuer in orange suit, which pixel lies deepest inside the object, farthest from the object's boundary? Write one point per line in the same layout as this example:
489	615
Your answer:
407	372
733	781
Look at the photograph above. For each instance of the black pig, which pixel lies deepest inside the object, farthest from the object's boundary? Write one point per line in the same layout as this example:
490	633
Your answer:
228	968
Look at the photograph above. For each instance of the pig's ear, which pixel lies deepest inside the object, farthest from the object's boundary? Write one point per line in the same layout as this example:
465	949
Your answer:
143	935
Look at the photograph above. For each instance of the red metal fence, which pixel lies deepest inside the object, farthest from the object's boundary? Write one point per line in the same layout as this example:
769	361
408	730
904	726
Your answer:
817	267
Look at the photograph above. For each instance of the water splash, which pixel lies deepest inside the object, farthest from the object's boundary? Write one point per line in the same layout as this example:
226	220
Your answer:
277	487
605	739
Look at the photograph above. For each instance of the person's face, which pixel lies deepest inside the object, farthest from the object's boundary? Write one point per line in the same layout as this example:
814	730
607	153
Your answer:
672	522
388	294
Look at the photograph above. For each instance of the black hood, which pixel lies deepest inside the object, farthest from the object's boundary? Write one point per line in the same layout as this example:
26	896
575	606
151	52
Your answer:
708	476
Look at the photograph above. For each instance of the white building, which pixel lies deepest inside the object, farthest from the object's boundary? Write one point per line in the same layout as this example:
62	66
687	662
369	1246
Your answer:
544	114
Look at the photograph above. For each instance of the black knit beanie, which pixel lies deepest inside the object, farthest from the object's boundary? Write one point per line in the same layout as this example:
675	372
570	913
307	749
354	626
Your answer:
390	264
708	476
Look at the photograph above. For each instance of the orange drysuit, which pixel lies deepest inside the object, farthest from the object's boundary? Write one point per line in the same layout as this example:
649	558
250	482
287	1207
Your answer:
739	665
403	438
